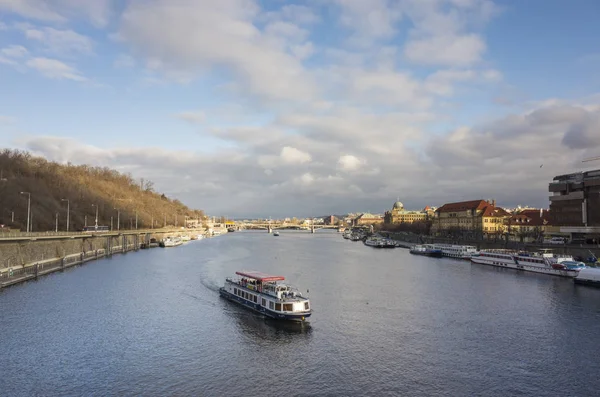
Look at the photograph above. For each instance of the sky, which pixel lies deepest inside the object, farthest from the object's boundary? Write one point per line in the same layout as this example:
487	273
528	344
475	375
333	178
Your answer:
278	108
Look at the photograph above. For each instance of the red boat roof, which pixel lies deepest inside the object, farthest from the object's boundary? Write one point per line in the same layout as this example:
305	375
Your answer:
259	276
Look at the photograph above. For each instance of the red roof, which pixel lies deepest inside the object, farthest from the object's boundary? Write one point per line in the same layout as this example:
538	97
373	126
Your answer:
463	206
259	276
495	211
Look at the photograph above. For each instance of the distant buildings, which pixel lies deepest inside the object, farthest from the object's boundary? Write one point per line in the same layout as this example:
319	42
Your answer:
399	215
475	217
367	219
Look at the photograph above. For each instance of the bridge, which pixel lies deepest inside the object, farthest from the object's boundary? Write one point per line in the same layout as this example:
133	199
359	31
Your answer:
269	227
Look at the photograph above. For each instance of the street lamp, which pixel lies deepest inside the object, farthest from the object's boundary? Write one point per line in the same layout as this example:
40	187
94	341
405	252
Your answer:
136	219
96	225
118	218
56	223
28	209
68	211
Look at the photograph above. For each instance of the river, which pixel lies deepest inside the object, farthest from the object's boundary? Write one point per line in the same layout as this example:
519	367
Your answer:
385	323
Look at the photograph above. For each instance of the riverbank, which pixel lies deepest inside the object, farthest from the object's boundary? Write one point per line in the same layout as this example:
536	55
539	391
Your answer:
27	258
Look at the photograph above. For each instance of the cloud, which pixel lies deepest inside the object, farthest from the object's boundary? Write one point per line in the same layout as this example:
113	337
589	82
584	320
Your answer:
370	20
292	155
124	61
55	69
349	162
15	51
6	119
97	11
192	117
446	50
218	35
60	41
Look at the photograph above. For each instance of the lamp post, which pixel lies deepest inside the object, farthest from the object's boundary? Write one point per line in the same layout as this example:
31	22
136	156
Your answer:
96	222
136	220
56	223
68	211
28	210
165	223
118	218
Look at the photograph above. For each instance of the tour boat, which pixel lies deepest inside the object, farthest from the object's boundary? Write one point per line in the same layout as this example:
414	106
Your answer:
264	294
425	249
456	251
542	261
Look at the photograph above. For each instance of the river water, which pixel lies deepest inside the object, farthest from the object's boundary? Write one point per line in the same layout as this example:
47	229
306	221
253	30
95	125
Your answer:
385	323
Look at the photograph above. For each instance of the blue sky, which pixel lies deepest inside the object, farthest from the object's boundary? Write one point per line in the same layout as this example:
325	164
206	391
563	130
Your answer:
304	108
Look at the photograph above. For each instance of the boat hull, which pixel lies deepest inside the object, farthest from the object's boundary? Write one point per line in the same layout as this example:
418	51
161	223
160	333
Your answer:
255	307
433	254
524	267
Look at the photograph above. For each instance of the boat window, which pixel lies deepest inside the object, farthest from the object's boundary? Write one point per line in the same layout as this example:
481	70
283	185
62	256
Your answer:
264	302
288	307
305	305
278	307
255	299
235	291
271	306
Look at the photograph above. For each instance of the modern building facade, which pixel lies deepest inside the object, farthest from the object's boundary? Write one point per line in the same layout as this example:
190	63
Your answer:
575	203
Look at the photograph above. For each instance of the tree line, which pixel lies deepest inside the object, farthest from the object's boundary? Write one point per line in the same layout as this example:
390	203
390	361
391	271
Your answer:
54	187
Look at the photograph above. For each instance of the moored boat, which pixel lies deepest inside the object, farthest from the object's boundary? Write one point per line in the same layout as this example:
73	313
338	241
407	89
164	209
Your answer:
172	242
456	251
276	233
425	249
263	293
541	261
588	276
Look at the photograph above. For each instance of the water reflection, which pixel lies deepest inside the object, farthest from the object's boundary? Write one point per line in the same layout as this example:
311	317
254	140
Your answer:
261	328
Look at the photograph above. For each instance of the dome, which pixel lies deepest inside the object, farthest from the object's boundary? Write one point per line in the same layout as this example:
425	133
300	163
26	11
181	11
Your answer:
398	205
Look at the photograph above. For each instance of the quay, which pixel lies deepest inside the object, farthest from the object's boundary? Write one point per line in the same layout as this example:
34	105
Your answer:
31	255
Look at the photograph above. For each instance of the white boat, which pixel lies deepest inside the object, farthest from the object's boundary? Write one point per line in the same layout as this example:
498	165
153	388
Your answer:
185	237
588	276
426	250
456	251
379	242
275	233
542	261
199	236
264	294
172	242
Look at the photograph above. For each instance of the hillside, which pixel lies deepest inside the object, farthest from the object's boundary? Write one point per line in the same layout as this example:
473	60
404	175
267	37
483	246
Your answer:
84	187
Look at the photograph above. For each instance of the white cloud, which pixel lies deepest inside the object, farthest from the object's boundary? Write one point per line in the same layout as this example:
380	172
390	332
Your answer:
61	41
97	11
196	117
292	155
349	162
55	69
217	35
124	61
371	20
446	50
15	51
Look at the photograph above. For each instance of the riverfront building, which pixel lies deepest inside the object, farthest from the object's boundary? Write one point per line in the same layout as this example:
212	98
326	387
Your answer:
575	204
474	218
399	215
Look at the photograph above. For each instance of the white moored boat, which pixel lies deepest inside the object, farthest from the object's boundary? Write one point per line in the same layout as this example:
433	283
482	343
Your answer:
264	294
456	251
588	276
537	262
172	242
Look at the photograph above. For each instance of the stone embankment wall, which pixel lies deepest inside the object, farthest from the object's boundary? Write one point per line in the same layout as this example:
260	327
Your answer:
22	253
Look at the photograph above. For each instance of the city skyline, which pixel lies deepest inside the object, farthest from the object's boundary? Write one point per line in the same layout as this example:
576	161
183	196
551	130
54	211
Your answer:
250	109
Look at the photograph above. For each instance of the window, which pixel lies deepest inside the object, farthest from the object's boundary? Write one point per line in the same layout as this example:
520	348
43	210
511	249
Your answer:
255	299
278	307
305	305
271	306
288	307
264	302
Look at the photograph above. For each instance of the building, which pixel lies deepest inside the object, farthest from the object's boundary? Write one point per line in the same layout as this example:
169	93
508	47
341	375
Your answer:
399	215
473	218
366	219
529	225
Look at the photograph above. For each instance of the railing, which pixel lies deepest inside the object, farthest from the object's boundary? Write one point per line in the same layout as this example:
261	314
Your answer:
14	235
